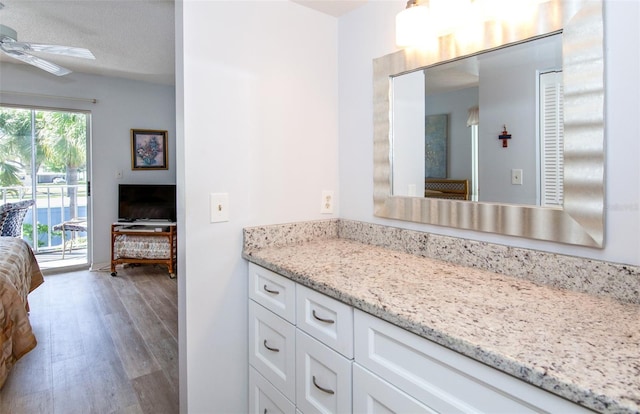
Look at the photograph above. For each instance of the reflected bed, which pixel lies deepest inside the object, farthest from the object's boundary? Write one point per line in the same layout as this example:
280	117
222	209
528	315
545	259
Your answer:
446	188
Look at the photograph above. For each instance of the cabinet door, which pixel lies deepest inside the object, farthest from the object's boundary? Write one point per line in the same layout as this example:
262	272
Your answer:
442	379
326	319
272	348
373	395
265	398
323	377
274	292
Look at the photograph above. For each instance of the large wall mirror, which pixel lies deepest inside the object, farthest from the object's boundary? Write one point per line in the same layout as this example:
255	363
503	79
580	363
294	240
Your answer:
438	115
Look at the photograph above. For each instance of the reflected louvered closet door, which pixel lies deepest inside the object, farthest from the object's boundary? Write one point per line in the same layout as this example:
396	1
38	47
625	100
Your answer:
551	139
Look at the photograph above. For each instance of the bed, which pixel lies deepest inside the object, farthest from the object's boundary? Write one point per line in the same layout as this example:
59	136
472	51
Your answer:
446	188
19	275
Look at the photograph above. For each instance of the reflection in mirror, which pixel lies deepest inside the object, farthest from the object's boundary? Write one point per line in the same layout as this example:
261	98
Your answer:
575	218
446	120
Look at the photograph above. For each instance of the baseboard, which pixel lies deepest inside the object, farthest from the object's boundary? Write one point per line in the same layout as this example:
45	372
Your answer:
100	267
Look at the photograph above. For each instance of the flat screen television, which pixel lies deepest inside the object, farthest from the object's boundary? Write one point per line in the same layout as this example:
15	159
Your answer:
142	202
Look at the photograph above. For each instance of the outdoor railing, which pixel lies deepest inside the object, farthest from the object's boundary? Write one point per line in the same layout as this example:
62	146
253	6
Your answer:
53	206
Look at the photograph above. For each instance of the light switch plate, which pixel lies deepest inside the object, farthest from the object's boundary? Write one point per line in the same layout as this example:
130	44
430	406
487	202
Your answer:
219	205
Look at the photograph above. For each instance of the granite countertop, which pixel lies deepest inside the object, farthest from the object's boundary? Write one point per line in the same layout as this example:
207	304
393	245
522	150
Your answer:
579	346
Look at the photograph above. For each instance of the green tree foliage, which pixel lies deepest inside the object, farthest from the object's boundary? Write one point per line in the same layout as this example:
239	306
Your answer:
60	141
43	229
65	137
15	145
60	145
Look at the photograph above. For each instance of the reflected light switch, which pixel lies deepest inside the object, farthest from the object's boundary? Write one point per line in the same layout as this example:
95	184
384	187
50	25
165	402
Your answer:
219	205
516	176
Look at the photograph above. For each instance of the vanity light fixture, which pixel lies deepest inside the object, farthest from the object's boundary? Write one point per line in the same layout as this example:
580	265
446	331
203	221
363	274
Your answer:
423	21
412	24
504	136
450	15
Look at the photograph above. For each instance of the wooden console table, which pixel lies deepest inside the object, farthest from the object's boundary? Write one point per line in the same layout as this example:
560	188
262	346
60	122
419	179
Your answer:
144	243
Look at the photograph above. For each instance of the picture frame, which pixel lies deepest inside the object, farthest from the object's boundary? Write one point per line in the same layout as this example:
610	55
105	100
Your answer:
149	150
436	143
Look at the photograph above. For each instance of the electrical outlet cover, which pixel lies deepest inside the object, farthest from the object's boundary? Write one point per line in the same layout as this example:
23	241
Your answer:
327	202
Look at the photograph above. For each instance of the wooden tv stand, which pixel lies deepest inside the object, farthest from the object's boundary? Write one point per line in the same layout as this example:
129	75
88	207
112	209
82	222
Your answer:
146	242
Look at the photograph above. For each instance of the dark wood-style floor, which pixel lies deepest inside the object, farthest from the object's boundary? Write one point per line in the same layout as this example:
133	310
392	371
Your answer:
105	345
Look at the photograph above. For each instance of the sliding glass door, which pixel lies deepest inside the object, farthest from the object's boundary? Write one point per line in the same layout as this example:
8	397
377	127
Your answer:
43	156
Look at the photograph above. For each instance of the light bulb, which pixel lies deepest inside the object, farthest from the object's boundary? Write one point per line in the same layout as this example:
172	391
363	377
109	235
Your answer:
412	26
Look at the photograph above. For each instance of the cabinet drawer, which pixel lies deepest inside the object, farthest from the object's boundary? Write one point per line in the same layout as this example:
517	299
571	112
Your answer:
442	379
274	292
272	348
326	319
265	398
373	395
323	377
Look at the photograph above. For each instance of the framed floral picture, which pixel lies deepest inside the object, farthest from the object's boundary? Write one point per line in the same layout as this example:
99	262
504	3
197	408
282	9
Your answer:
149	150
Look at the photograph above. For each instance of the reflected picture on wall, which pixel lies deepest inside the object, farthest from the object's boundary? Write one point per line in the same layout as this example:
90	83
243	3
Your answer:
435	147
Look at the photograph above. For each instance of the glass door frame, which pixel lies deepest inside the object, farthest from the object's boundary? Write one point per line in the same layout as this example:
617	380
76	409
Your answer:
34	180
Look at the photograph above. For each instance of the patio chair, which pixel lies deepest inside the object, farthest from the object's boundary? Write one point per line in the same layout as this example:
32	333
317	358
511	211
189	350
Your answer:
76	225
12	216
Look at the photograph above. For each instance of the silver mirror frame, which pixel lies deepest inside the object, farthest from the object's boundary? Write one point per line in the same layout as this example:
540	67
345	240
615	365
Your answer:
581	220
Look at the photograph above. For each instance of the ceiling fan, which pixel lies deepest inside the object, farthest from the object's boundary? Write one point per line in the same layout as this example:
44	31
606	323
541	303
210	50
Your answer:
20	50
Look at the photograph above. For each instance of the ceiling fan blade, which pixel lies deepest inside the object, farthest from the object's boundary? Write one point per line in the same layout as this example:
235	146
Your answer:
78	52
37	62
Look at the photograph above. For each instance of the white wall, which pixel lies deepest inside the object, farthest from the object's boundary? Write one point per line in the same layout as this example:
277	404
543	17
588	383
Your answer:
506	100
508	82
408	124
121	105
368	33
260	111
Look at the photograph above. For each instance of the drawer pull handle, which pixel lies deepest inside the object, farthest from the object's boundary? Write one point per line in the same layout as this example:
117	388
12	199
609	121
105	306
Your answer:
322	319
269	348
328	391
275	292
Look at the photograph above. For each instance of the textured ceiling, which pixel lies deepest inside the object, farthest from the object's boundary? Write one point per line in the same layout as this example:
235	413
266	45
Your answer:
131	39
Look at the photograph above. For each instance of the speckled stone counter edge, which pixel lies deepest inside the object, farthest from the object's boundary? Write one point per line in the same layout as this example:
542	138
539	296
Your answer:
617	281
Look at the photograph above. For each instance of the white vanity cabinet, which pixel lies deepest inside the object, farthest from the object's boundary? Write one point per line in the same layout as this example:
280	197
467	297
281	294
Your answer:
323	377
265	398
273	291
438	379
326	319
304	367
272	348
372	394
324	352
313	354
